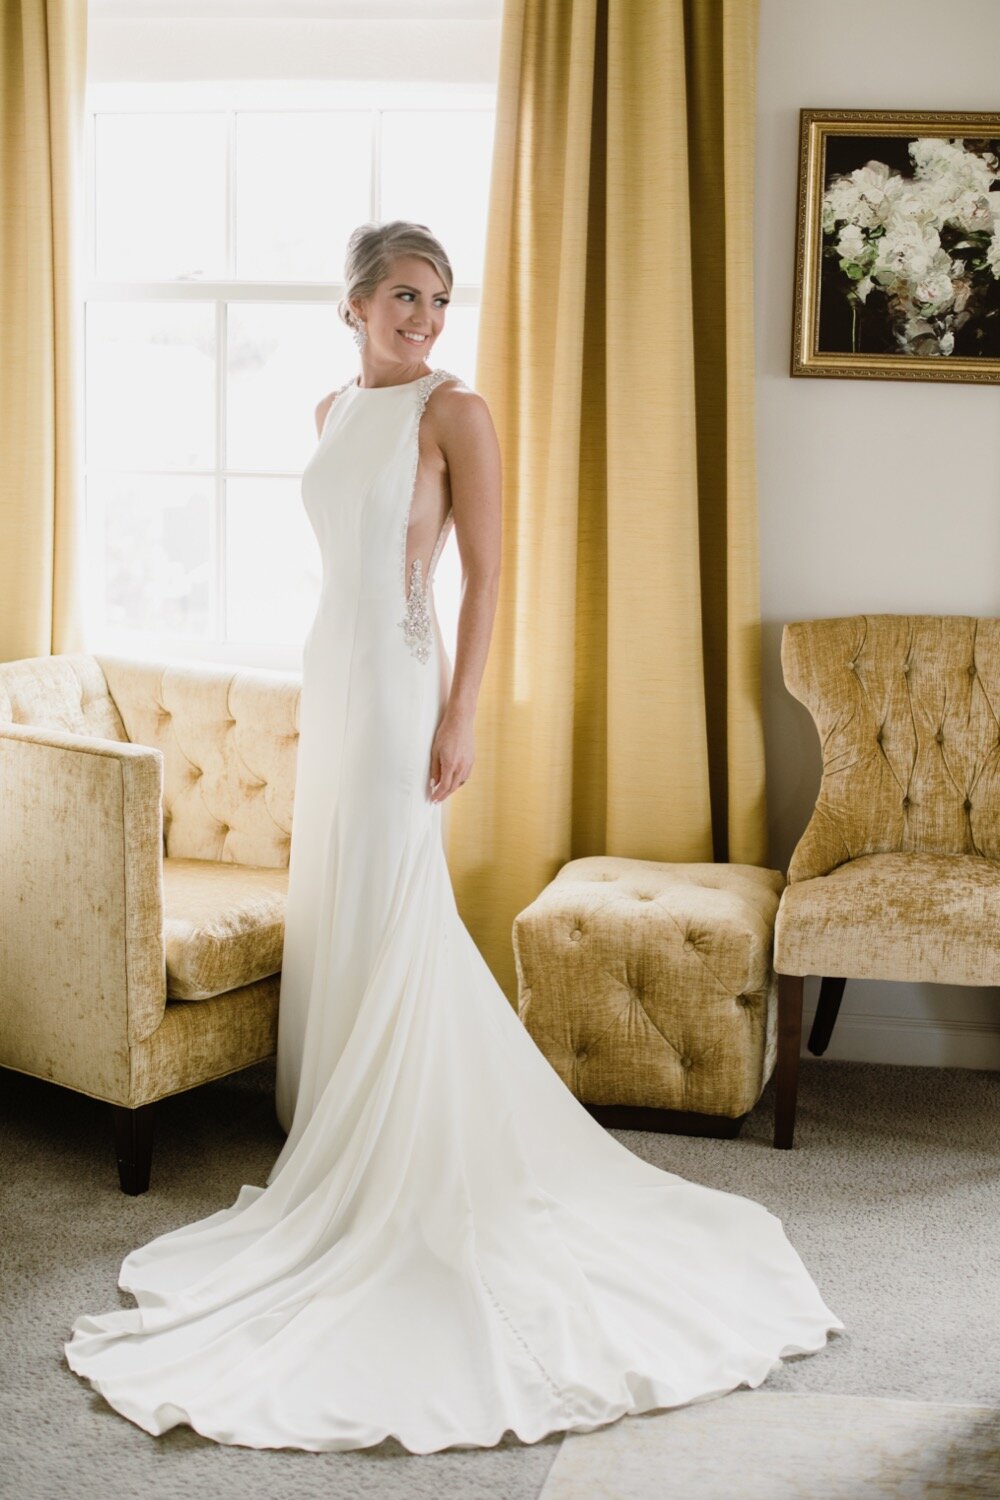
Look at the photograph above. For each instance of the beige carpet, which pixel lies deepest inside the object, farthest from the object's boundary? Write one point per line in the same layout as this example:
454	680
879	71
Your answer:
892	1196
779	1446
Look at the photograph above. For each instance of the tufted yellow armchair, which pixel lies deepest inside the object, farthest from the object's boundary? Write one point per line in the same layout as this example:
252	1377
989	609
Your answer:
145	827
897	875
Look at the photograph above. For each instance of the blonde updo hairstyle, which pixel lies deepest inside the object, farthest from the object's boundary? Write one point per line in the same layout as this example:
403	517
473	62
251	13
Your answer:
371	250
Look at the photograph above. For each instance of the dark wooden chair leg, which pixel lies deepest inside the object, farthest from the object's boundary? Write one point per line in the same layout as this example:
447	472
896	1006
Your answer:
831	992
786	1077
134	1144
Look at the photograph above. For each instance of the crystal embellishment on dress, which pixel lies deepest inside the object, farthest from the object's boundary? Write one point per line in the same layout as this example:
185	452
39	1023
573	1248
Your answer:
416	622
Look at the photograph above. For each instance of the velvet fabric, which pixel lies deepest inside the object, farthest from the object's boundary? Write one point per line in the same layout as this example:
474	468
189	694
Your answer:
897	874
620	706
143	870
649	983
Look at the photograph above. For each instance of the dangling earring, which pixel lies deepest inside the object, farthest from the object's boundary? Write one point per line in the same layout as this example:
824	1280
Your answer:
359	333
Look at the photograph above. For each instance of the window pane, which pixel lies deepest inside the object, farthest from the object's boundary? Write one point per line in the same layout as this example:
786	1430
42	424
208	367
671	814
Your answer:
160	196
150	385
273	570
159	464
303	181
283	358
436	170
157	552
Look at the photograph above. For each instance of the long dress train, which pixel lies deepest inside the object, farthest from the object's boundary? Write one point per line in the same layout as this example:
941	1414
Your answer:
448	1245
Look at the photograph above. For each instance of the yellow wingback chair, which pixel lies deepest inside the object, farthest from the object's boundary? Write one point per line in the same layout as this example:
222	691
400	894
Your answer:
897	875
145	827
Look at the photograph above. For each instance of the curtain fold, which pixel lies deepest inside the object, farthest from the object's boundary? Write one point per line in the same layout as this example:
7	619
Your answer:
43	66
620	710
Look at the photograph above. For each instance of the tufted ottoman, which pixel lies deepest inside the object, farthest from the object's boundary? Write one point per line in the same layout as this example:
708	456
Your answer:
650	989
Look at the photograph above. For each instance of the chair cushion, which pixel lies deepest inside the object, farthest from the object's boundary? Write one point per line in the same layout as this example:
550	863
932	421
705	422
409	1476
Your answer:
224	925
909	916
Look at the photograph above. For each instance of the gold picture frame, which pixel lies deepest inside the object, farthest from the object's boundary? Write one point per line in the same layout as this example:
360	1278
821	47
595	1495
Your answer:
897	260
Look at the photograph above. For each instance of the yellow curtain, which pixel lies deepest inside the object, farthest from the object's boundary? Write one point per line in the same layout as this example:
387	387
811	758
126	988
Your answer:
42	92
620	709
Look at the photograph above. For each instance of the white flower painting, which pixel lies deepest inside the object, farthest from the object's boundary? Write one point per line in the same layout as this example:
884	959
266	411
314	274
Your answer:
911	249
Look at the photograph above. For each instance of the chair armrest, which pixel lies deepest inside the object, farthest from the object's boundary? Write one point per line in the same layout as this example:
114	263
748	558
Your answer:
82	960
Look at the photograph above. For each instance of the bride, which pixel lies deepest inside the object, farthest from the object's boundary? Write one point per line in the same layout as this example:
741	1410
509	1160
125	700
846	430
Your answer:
448	1246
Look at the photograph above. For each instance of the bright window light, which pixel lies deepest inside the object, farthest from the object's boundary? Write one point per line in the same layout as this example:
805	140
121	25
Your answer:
217	222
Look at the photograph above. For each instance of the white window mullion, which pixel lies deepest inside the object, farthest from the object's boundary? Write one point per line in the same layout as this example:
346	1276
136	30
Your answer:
221	387
376	199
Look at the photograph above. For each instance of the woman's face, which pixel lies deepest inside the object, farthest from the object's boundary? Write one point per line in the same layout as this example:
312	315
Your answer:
411	300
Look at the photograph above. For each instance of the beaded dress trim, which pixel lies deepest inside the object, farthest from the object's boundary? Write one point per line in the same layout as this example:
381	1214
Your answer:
416	623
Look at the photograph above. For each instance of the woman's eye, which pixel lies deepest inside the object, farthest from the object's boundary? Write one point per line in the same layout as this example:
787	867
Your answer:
442	300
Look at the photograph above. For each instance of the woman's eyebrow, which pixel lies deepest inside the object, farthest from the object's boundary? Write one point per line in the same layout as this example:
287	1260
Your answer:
402	287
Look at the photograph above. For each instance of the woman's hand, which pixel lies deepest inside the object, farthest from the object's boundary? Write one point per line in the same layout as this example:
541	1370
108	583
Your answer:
452	754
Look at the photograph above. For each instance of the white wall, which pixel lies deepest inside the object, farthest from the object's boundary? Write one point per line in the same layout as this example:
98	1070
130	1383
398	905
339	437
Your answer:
352	41
874	495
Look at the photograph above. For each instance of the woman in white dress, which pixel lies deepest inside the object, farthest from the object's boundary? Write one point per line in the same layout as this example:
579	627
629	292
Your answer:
448	1245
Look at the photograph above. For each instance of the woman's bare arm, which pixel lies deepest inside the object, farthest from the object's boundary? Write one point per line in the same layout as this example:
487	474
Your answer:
463	429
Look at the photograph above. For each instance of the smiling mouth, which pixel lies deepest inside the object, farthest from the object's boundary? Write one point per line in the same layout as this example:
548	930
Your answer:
412	338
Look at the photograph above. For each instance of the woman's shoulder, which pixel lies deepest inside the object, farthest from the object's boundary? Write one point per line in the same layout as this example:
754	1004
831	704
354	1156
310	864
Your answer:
451	394
455	412
323	408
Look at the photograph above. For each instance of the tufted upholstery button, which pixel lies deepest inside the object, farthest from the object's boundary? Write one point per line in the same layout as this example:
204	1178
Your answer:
852	666
686	1063
906	801
967	805
223	828
582	1055
939	737
575	933
972	669
879	737
906	668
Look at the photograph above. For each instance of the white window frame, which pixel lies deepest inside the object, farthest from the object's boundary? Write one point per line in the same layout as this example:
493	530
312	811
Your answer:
229	96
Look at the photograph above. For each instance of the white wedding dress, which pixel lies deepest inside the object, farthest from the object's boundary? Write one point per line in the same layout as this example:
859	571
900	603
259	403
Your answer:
449	1245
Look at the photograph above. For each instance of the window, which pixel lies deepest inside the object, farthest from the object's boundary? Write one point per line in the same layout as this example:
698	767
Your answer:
218	215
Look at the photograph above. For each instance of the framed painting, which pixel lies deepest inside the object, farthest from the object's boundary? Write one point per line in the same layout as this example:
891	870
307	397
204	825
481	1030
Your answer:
897	265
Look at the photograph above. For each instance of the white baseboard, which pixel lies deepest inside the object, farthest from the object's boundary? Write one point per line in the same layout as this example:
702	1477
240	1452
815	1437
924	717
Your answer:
937	1043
